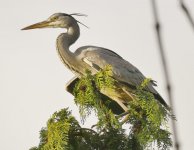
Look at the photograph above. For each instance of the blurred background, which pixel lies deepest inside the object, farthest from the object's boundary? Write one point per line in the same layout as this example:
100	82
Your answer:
32	77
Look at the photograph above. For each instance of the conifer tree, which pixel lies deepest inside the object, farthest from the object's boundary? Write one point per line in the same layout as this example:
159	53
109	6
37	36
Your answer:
147	120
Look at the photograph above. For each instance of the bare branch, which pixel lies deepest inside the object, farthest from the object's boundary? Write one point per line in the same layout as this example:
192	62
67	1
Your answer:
165	69
187	12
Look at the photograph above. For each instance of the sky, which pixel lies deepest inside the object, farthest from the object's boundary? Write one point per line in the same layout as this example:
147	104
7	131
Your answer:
33	79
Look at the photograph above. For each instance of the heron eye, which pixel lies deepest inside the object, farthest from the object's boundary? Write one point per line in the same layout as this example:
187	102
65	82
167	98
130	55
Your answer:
55	18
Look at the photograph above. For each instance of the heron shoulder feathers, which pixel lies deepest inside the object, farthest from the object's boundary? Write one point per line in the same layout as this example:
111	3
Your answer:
98	58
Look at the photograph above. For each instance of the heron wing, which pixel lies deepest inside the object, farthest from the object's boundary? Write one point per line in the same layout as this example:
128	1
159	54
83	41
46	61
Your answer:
123	71
98	58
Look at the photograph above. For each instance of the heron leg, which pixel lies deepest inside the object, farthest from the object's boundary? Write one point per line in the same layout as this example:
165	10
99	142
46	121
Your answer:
122	105
128	93
125	119
126	113
123	114
125	108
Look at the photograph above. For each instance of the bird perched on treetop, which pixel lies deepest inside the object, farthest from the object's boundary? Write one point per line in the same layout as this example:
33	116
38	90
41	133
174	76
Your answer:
95	58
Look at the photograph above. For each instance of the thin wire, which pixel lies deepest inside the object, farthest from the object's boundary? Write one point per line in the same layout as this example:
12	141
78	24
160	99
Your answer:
166	72
187	12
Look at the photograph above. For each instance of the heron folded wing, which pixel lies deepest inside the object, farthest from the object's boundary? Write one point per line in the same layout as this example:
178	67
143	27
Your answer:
123	71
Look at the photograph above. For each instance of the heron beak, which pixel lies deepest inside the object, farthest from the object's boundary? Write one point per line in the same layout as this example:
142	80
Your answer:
42	24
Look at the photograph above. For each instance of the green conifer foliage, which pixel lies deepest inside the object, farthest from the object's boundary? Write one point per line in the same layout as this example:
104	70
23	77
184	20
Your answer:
147	120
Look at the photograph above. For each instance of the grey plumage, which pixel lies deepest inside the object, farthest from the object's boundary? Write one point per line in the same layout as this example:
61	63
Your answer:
95	58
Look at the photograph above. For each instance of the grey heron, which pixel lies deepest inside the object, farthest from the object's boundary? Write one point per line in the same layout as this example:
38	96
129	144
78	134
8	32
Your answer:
95	58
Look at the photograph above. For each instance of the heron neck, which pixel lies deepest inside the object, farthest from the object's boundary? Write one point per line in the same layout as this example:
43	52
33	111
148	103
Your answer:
64	41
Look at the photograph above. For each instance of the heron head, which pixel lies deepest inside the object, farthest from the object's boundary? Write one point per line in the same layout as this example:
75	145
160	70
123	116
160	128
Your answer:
57	20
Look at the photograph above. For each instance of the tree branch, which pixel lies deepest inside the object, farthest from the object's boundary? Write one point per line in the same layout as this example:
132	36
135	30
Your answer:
187	12
165	69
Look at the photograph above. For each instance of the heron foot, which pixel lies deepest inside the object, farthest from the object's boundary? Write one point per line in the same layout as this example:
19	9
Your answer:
126	114
123	114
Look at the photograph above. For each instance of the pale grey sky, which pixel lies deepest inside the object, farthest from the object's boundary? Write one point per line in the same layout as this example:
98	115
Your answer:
32	79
